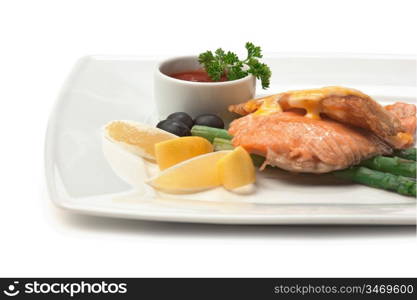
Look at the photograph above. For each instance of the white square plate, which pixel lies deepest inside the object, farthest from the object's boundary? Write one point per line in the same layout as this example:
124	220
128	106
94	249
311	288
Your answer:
104	88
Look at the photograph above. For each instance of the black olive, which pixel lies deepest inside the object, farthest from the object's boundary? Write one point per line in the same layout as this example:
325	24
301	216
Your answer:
174	127
209	120
182	117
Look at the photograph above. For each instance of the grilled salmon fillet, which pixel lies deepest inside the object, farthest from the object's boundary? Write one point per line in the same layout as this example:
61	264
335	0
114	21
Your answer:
296	143
321	130
345	105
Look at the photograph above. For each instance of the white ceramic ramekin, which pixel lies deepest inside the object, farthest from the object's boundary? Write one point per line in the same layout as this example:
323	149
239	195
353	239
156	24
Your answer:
174	95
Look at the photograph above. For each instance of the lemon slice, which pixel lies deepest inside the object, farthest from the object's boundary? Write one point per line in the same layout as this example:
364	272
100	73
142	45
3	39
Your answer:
135	137
236	169
172	152
193	175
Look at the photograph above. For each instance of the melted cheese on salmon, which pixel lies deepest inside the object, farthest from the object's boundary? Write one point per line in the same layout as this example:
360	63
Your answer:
310	100
269	106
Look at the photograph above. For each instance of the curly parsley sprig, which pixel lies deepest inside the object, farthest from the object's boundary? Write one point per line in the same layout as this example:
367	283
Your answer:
228	64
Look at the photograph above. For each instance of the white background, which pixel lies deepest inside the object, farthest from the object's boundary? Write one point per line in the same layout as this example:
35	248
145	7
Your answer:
40	41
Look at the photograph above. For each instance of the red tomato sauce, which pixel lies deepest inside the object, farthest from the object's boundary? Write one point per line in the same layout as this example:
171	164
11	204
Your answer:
195	75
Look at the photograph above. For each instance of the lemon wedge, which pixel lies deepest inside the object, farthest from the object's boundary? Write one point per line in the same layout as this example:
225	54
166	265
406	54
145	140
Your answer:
174	151
236	169
135	137
193	175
